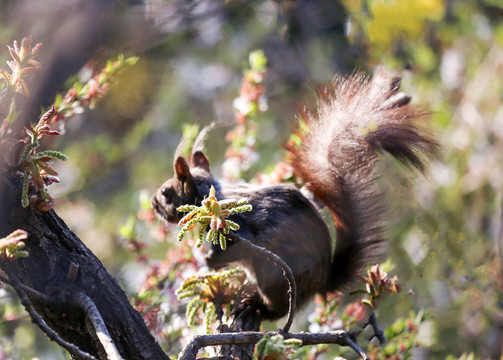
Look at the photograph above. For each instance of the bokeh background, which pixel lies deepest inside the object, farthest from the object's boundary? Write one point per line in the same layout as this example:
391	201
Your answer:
446	246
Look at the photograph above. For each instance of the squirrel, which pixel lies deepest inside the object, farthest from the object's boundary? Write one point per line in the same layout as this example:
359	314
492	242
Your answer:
337	160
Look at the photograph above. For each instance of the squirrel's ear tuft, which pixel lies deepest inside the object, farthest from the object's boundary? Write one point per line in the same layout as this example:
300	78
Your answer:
181	168
200	160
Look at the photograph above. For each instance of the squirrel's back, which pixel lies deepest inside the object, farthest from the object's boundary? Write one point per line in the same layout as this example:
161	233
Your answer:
338	160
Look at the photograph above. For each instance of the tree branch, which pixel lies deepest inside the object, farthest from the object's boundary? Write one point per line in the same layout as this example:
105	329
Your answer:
52	248
28	290
85	302
37	319
87	305
378	333
339	337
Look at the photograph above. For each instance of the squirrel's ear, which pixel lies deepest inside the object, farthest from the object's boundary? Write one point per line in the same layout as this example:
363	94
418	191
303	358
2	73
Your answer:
200	160
181	168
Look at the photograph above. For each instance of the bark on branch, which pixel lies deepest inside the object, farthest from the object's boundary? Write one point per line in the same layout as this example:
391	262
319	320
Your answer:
340	337
53	248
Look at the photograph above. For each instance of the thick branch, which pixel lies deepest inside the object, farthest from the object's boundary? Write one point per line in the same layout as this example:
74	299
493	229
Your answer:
52	249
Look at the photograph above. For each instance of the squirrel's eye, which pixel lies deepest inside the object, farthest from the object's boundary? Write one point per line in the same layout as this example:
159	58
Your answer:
166	192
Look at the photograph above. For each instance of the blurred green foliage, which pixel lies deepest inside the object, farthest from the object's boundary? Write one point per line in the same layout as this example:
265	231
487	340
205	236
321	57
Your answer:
447	246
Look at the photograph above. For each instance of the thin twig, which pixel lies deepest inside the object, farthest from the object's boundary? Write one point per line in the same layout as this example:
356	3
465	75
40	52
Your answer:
340	337
378	333
89	307
36	318
43	297
287	272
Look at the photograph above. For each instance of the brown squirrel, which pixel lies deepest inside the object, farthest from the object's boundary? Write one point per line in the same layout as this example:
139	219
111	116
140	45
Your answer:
337	160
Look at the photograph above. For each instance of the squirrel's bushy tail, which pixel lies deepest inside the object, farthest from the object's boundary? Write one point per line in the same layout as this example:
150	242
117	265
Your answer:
337	159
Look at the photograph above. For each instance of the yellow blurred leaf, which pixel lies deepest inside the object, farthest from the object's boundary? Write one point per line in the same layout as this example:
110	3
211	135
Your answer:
393	18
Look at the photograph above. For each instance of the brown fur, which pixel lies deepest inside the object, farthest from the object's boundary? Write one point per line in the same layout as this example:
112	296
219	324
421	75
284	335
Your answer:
338	161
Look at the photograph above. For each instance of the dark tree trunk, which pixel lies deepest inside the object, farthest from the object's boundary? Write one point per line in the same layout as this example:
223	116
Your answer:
52	249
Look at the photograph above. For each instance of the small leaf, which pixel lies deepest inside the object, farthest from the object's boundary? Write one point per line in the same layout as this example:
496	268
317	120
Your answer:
22	88
47	168
53	153
14	55
36	48
241	209
34	63
47	115
210	315
223	241
260	347
5	75
10	246
25	47
211	235
13	66
200	237
227	203
190	225
234	226
192	308
27	70
186	208
42	158
17	235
